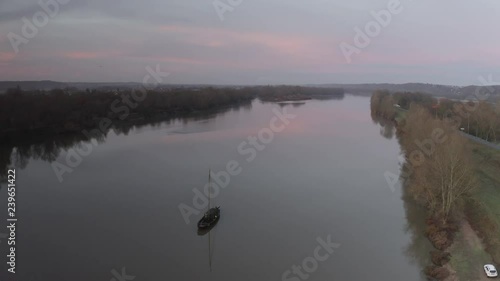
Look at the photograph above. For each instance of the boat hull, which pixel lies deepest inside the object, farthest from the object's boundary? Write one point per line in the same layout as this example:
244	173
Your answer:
210	218
205	230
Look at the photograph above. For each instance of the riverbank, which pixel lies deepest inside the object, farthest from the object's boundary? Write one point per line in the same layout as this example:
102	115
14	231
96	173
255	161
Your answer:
470	237
477	240
64	111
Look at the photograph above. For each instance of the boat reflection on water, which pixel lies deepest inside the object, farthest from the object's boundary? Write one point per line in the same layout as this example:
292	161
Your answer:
211	239
205	231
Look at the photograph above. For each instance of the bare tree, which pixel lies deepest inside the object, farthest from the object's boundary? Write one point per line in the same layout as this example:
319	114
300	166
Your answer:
441	171
451	174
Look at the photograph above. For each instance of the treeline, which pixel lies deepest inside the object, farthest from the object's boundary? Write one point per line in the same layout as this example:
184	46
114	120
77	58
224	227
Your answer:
291	93
439	165
386	104
58	111
479	118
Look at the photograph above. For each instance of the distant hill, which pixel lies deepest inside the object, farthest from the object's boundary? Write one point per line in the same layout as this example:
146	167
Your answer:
50	85
32	85
452	92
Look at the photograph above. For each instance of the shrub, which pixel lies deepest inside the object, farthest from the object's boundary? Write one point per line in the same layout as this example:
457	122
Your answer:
437	272
440	258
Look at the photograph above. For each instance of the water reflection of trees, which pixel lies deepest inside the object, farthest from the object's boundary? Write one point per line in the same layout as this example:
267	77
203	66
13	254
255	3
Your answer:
294	104
16	150
419	247
387	128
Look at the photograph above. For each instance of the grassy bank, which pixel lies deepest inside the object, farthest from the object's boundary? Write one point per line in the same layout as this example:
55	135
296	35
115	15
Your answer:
483	210
478	245
468	254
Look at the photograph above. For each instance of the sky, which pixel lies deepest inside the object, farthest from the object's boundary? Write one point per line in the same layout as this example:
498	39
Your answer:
251	41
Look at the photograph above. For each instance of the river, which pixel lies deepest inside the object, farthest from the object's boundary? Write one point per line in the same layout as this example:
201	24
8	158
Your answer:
319	178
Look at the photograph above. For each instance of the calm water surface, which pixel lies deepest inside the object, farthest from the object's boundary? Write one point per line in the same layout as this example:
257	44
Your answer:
323	175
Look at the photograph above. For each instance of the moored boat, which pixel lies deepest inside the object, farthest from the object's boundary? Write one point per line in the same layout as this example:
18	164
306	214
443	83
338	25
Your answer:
212	215
210	218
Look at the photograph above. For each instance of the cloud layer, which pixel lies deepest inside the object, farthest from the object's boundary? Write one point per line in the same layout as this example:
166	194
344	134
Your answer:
258	42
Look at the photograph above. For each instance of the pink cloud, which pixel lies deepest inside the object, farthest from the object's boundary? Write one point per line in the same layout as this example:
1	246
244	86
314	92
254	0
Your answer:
28	72
82	55
213	37
181	60
6	57
291	50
